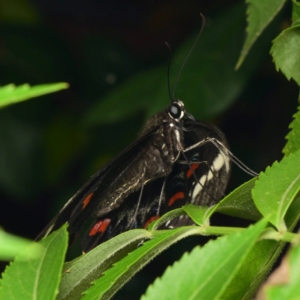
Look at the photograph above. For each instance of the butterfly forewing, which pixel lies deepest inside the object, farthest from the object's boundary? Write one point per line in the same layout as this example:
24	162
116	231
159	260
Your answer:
78	209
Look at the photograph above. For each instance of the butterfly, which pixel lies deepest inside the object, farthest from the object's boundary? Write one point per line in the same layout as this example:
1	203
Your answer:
174	161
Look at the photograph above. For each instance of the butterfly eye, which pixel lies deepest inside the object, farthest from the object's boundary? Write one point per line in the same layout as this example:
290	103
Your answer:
176	110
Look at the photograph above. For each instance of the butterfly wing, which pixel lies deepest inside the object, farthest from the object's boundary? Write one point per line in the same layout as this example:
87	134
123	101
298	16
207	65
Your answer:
129	215
83	204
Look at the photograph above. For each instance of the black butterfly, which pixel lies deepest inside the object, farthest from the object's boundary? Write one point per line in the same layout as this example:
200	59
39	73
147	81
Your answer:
175	160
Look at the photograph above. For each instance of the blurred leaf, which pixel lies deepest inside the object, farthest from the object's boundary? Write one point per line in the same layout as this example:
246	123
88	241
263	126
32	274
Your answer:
293	137
260	13
19	141
34	54
296	12
58	154
18	156
18	11
206	272
10	94
208	83
288	287
36	278
293	214
11	245
106	64
286	54
276	189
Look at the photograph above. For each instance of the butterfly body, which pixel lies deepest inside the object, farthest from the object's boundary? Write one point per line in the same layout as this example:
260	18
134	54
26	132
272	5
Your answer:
173	162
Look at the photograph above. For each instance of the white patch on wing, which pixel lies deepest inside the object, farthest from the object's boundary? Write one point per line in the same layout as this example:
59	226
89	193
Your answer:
219	162
198	187
227	161
216	166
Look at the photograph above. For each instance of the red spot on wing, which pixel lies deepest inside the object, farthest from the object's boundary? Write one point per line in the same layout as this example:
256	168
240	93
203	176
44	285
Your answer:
100	227
191	169
153	218
177	196
87	200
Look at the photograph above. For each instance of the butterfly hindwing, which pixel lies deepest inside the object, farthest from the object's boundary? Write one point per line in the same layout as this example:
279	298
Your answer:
203	180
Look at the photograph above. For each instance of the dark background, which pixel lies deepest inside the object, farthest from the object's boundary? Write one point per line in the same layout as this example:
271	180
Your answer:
48	149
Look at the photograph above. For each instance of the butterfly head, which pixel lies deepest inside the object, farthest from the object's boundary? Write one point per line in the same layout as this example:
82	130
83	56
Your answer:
176	110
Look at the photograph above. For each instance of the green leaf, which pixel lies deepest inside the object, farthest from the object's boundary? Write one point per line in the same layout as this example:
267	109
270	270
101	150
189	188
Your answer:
293	137
259	262
11	245
79	273
291	289
286	52
197	213
254	270
238	203
114	278
10	94
275	189
170	215
205	273
260	13
36	278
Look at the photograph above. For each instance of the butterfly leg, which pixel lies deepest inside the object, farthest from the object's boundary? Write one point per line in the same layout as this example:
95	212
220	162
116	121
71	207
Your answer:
133	219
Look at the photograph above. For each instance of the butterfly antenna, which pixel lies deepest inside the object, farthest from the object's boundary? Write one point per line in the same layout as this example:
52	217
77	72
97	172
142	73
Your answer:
233	158
188	55
169	67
